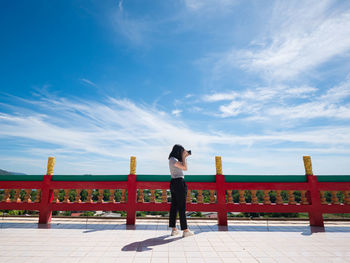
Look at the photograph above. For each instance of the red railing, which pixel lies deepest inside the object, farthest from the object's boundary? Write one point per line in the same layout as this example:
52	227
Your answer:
312	200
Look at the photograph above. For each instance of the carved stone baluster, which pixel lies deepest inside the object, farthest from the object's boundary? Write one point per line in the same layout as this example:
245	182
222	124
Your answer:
153	196
241	197
16	198
303	197
100	196
111	196
27	196
38	196
188	197
267	200
212	197
7	196
254	197
323	199
291	198
279	199
200	197
346	197
123	194
66	196
77	197
335	200
229	197
140	197
164	196
55	196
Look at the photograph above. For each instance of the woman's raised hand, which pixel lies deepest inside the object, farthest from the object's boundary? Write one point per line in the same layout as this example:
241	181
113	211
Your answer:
185	154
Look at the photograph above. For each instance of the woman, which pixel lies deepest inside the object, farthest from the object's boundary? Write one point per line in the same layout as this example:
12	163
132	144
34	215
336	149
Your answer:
178	189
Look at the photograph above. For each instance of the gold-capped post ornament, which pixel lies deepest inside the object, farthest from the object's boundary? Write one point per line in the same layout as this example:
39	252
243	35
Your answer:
132	165
308	165
218	164
50	165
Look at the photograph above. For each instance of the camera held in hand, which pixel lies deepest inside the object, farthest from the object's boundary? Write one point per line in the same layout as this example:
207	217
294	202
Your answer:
189	152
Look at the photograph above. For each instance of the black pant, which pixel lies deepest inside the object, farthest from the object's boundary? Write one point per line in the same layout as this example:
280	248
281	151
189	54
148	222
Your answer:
178	189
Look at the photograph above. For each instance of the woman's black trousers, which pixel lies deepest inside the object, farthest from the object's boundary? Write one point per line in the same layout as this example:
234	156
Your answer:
178	189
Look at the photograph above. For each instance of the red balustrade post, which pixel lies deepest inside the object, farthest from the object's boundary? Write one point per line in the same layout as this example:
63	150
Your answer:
220	193
45	213
131	197
315	213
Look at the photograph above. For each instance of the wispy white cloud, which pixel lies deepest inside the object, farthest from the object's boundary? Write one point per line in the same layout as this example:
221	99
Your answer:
298	37
176	112
207	5
280	101
88	82
118	128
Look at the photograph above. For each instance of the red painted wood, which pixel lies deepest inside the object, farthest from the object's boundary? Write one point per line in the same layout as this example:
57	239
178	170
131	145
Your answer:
315	213
88	206
131	200
19	206
331	209
20	184
46	198
266	186
88	185
165	185
333	186
272	208
315	208
221	200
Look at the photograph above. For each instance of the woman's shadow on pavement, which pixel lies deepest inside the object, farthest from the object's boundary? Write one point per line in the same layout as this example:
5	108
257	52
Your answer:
144	245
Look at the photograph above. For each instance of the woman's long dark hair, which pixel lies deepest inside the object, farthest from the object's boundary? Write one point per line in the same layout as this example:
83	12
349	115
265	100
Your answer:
177	152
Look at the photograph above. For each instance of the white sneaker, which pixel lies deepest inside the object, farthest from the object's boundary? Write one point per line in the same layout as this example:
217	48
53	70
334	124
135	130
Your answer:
187	233
174	232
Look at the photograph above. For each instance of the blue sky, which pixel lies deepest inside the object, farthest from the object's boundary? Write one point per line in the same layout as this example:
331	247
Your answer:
260	83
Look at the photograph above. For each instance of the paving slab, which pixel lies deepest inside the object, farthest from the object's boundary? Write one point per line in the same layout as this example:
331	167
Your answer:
111	240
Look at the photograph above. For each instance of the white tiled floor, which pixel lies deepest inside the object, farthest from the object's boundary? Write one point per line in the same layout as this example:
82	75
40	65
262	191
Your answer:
79	240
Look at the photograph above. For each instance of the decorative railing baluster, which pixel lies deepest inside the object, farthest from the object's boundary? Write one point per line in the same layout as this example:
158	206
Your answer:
100	196
38	196
254	197
188	197
200	197
229	197
55	196
304	200
27	198
77	197
267	200
7	195
164	196
66	196
212	197
89	196
346	197
112	195
140	198
335	200
153	197
16	197
279	199
123	195
241	197
322	197
291	198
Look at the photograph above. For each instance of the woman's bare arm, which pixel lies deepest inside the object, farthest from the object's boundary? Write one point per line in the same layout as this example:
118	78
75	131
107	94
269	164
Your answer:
182	165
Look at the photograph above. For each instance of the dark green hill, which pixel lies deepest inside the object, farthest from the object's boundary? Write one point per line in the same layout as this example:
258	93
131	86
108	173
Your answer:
4	172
